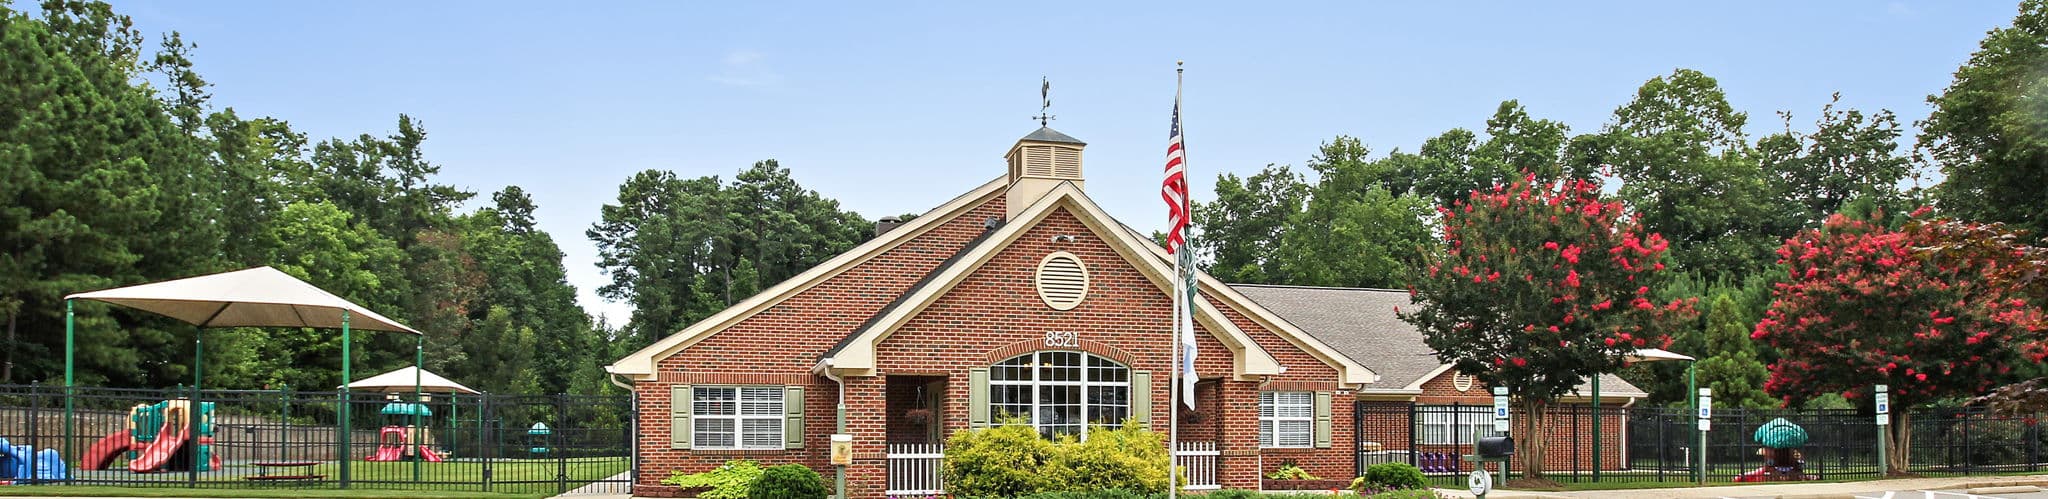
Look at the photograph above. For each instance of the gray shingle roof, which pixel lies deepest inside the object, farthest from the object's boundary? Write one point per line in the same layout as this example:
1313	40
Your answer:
1047	134
1361	323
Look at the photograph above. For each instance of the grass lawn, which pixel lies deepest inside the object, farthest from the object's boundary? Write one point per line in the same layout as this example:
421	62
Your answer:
112	491
367	479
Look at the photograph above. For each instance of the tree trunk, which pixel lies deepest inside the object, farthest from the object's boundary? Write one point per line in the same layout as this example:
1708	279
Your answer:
7	365
1900	441
1530	439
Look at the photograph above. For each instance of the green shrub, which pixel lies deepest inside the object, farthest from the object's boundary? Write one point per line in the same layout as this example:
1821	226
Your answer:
727	481
1130	458
1290	471
1012	460
1391	476
788	481
1092	494
1003	461
1233	494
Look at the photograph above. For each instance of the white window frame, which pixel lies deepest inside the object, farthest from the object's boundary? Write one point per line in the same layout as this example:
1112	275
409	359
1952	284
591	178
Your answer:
1274	412
769	408
1451	424
1088	380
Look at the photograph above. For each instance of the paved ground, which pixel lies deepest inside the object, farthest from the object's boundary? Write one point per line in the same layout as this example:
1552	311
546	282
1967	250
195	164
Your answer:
2017	487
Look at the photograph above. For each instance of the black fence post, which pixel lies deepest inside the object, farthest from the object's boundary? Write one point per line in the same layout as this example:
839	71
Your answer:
35	434
1969	459
1357	439
192	447
488	436
555	446
2033	434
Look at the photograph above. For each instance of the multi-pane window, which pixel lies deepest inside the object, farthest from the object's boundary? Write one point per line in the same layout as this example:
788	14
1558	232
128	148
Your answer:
742	417
1452	424
1287	419
1060	393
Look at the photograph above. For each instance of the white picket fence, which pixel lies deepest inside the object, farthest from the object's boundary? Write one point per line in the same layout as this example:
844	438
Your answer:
1199	459
914	468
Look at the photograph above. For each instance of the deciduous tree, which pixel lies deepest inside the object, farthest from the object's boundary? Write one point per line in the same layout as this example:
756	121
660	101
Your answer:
1538	286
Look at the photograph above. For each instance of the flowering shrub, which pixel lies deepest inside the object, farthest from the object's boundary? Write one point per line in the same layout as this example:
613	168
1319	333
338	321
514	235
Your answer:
1864	305
1537	287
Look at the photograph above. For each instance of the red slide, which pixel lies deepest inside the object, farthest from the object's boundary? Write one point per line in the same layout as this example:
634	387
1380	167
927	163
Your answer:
386	453
103	452
159	451
428	454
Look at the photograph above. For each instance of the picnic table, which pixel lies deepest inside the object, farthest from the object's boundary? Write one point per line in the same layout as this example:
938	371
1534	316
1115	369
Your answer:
275	470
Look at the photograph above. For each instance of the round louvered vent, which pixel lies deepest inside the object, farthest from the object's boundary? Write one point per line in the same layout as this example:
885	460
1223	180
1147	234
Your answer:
1062	280
1461	381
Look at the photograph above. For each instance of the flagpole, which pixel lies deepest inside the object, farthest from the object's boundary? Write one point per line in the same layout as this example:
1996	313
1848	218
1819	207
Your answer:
1180	308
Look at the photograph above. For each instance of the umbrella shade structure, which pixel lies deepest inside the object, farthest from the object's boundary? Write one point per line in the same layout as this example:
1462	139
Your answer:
403	381
1780	434
1653	355
258	297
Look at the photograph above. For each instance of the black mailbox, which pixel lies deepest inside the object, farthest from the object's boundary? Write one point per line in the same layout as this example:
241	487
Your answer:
1496	447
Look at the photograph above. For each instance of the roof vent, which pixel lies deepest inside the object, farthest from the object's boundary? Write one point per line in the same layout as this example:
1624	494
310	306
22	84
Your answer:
886	224
1062	280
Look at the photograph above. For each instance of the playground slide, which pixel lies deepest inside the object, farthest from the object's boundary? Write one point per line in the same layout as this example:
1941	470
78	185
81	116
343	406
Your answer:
428	454
159	451
103	452
386	453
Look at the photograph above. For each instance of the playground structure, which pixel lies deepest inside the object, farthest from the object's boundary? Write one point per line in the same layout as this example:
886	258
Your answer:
397	442
1781	441
158	439
22	464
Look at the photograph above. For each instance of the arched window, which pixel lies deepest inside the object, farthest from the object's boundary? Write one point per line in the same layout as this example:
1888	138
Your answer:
1060	393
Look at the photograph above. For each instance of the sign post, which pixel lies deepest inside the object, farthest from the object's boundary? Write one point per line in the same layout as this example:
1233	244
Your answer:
1501	414
1706	423
1884	421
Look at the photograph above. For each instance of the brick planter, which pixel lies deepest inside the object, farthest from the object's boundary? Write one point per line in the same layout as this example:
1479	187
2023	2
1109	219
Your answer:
1271	484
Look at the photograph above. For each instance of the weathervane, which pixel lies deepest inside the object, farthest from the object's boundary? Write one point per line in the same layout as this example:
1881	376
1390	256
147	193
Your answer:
1045	98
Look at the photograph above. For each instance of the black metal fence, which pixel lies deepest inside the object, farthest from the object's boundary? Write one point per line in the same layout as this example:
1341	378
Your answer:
1654	444
285	438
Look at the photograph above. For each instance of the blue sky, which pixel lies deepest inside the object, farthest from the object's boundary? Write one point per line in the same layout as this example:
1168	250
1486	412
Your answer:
894	108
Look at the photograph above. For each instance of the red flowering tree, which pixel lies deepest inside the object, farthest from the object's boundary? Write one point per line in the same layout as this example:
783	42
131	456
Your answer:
1917	308
1537	287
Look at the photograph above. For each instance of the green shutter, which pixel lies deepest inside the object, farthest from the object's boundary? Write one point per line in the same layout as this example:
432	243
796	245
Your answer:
1322	420
977	398
679	428
792	417
1141	397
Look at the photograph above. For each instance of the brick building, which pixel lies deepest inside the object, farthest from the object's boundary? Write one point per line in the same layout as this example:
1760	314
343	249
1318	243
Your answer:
1017	299
1420	405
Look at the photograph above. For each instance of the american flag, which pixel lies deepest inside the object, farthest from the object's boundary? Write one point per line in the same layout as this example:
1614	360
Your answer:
1175	189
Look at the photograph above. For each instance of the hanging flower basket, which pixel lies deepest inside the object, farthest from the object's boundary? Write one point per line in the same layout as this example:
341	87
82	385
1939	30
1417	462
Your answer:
918	416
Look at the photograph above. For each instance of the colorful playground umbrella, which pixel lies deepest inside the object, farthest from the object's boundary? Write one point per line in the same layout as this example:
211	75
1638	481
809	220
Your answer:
1780	434
409	379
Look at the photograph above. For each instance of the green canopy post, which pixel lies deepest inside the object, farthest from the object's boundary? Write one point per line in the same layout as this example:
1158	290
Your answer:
341	427
70	356
192	417
419	357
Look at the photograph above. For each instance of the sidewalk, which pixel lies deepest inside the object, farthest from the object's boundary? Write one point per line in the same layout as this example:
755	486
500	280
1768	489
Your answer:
1845	490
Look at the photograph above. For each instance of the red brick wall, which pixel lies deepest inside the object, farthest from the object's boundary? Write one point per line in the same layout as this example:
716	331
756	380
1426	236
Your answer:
787	340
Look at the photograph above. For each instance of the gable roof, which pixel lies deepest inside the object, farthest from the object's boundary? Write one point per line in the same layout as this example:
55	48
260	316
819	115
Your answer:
857	353
1361	323
640	364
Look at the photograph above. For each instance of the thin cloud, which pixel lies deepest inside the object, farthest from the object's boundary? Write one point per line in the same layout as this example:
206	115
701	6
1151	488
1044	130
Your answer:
746	68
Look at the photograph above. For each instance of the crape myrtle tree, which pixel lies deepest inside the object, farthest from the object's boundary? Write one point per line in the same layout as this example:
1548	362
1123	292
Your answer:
1865	304
1538	286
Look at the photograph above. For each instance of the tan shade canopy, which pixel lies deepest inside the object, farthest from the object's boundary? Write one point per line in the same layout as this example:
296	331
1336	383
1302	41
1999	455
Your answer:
1653	355
401	381
258	297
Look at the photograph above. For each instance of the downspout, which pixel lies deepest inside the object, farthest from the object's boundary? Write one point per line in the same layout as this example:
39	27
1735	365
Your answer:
633	437
839	424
